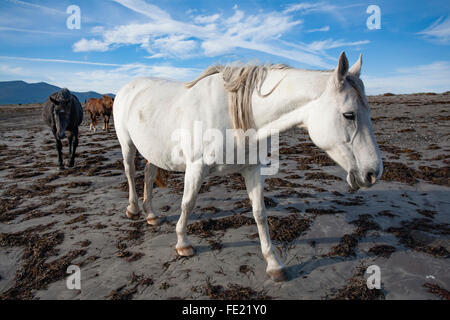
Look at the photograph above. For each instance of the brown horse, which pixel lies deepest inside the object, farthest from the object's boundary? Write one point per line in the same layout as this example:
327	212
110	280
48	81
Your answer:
100	107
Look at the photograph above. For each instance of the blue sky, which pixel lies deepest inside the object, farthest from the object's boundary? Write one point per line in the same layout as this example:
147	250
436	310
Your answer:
123	39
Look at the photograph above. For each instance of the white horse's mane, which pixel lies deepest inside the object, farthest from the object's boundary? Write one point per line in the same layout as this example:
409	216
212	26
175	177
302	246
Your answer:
241	81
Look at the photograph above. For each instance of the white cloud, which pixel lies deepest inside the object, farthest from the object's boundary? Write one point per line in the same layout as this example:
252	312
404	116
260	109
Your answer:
296	55
97	29
434	77
156	56
191	11
238	15
206	19
85	45
112	80
338	12
87	76
53	33
210	35
60	61
323	29
255	32
15	71
142	7
330	44
175	45
37	6
439	30
307	7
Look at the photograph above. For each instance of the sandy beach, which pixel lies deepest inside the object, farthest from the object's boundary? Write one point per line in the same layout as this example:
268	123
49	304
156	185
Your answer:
326	234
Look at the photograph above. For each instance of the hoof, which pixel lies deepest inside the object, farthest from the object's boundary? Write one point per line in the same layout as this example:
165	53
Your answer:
71	164
61	167
133	216
186	251
279	275
156	221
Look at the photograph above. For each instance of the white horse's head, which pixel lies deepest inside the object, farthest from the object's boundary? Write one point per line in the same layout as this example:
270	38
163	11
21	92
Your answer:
340	124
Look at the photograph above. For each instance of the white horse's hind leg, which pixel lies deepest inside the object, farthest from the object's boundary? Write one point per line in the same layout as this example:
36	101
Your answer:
254	183
192	183
129	153
150	174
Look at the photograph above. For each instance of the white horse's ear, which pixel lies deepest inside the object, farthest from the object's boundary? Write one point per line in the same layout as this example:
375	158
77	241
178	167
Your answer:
342	68
356	68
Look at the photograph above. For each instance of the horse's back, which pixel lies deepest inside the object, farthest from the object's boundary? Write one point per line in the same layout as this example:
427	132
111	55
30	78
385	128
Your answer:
91	105
146	87
147	112
144	96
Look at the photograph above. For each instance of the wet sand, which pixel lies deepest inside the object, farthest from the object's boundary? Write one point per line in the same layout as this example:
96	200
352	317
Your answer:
326	235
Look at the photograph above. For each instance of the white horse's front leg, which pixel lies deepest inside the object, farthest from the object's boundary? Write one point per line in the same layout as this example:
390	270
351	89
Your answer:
192	183
254	183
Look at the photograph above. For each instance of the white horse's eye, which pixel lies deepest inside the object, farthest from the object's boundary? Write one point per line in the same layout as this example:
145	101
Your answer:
349	115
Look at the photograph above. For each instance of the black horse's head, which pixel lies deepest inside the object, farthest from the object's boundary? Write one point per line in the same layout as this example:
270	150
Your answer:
61	112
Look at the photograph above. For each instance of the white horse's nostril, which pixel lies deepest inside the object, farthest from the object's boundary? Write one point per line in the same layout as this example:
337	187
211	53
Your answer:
371	177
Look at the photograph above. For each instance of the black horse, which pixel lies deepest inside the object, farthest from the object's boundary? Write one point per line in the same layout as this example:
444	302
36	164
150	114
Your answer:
63	112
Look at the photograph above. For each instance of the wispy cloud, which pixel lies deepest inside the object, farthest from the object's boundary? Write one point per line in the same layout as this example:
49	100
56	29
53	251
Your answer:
439	30
330	43
37	6
111	80
149	10
16	71
61	61
99	76
207	19
212	35
323	29
53	33
308	7
90	45
337	11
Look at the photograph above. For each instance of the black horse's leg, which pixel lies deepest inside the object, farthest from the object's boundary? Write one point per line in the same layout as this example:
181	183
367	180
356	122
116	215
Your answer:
60	157
74	135
70	142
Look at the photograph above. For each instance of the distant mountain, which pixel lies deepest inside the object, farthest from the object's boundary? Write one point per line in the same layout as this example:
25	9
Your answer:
15	92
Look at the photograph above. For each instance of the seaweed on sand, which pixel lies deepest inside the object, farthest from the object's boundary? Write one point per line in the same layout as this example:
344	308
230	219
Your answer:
356	289
35	273
346	247
233	292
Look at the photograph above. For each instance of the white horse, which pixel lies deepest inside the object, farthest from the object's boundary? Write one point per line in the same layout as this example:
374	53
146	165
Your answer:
331	105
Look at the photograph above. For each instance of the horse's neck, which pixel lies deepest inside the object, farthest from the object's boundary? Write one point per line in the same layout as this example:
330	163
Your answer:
290	102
